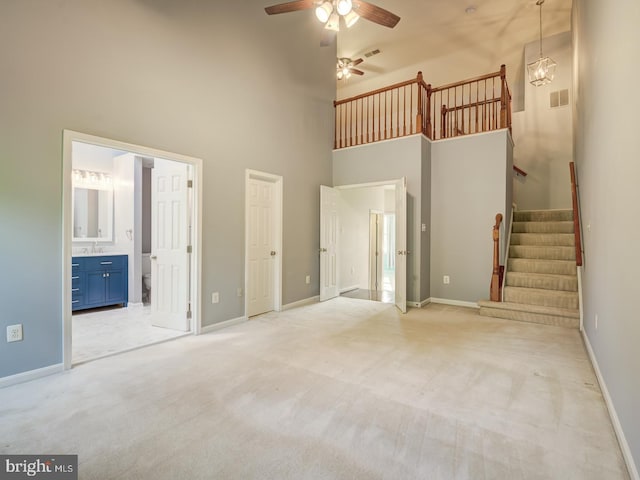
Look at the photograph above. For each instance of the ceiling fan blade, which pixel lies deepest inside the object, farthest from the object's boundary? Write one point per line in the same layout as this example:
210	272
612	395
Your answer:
328	36
356	71
290	7
357	62
375	14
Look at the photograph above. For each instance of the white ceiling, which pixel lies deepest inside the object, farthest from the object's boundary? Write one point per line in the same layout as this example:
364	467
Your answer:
429	29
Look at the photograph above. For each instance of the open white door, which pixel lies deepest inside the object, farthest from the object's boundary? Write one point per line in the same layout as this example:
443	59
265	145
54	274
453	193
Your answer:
169	241
328	243
401	244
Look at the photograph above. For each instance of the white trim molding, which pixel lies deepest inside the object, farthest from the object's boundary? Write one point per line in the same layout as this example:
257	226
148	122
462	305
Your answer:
225	324
31	375
349	289
301	303
617	427
455	303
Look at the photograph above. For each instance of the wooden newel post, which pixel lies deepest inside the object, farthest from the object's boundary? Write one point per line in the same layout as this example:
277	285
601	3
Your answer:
503	96
419	83
429	133
494	293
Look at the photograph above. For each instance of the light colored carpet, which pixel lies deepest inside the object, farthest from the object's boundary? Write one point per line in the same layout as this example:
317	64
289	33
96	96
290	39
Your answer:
345	389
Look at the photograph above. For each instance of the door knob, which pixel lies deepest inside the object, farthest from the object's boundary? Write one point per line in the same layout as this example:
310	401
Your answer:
273	253
323	250
153	257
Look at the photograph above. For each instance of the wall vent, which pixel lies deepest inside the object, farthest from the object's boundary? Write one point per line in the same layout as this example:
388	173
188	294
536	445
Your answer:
559	98
372	53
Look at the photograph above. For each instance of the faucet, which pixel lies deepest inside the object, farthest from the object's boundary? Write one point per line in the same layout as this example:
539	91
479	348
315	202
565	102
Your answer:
94	248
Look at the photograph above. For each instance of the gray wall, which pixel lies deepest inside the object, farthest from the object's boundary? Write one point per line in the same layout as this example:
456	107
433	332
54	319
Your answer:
606	38
468	188
390	160
221	81
425	237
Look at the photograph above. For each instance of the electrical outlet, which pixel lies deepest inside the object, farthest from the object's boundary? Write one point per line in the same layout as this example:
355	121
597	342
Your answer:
307	280
424	227
596	321
215	297
14	333
446	280
239	292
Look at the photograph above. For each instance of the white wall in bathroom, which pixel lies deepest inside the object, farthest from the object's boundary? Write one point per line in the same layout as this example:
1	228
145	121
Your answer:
127	202
93	157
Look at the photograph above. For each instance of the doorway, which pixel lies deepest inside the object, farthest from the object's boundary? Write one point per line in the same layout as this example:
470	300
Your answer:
152	235
363	242
263	242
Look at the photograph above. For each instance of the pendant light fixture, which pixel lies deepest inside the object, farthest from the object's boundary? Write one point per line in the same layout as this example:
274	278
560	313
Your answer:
542	71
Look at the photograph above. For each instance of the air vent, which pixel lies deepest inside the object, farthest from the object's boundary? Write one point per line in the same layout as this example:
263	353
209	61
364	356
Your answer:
559	98
372	53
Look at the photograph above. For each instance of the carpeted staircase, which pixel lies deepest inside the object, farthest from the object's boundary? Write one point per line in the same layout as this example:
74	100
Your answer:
541	285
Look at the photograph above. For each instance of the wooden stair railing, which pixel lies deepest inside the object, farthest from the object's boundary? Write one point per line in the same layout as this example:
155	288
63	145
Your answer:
480	104
576	214
496	276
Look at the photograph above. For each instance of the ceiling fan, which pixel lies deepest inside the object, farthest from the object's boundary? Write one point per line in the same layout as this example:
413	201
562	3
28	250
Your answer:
346	67
330	12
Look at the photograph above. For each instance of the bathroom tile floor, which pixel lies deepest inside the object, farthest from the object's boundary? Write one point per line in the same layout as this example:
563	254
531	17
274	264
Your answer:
102	332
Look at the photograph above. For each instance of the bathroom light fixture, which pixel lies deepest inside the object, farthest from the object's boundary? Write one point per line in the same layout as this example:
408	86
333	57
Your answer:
542	71
92	179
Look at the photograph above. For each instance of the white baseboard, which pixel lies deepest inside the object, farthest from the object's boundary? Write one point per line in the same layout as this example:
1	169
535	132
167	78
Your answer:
221	325
31	375
301	303
349	289
455	303
419	304
135	305
617	427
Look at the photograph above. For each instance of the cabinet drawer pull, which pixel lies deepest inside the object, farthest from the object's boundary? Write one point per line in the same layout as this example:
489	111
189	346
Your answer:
106	263
75	289
75	301
74	278
75	264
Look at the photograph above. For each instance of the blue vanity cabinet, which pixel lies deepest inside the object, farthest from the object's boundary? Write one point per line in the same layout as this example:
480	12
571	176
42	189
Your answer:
100	281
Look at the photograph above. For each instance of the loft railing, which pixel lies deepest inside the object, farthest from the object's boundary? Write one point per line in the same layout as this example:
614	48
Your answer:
389	112
480	104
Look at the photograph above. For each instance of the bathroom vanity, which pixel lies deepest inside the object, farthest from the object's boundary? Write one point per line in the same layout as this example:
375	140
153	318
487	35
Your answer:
99	280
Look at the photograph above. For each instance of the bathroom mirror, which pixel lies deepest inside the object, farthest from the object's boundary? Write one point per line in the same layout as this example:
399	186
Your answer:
92	214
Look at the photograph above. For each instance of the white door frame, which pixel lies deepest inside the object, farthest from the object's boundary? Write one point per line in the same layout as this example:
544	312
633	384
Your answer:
70	136
277	182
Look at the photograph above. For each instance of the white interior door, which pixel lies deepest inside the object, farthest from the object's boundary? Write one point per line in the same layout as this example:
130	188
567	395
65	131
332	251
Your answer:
261	246
375	250
328	243
401	244
169	241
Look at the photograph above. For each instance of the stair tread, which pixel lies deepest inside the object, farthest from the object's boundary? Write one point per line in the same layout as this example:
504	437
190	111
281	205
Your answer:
559	276
546	239
538	309
541	291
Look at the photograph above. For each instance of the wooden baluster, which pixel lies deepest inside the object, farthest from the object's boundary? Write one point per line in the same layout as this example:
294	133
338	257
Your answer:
477	101
443	127
369	116
397	113
428	132
503	96
404	111
495	288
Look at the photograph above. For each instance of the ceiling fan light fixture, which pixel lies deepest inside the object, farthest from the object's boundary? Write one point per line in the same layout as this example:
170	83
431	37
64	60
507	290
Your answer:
323	12
344	7
333	23
351	18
